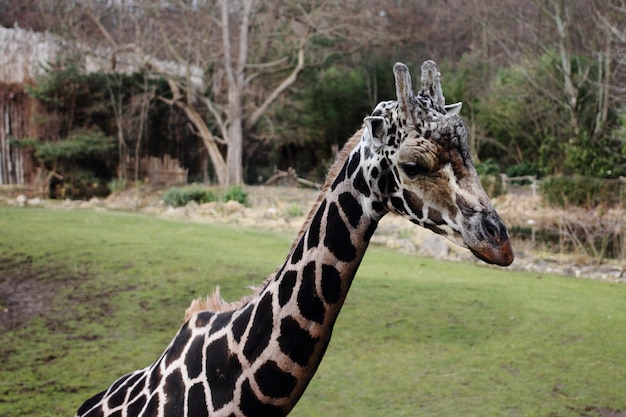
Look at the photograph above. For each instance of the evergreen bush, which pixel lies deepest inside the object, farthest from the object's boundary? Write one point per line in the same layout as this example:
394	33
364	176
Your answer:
235	193
180	196
488	167
492	185
523	169
580	191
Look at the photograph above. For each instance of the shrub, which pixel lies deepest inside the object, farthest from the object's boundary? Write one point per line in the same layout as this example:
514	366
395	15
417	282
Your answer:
487	167
79	184
117	185
294	210
492	185
580	191
180	196
521	170
235	193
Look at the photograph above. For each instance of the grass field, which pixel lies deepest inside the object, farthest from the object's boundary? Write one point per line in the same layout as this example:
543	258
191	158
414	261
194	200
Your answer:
87	296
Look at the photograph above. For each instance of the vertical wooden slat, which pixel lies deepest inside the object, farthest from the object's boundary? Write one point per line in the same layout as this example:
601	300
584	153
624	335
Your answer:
13	114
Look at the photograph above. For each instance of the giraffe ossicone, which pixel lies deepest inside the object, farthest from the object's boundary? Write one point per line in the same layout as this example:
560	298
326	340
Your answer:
255	357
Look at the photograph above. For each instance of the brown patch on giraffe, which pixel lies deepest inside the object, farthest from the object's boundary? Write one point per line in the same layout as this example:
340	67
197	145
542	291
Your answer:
415	203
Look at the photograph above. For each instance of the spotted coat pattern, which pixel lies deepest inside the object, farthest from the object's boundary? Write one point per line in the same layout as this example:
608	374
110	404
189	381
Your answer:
410	158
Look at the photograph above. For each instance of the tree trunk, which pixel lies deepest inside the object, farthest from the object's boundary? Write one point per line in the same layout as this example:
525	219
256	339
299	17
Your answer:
562	19
202	130
234	155
209	141
604	83
121	143
235	72
143	115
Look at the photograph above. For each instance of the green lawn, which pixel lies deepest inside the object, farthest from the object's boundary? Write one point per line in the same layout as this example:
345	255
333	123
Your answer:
416	337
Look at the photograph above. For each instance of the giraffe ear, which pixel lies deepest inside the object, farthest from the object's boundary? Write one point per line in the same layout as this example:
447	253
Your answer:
375	126
454	108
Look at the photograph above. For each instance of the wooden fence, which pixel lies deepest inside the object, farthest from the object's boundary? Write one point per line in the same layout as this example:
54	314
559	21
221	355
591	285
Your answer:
158	171
510	182
166	171
531	183
16	164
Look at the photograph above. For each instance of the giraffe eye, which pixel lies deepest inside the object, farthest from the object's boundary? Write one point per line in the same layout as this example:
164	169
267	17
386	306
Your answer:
412	169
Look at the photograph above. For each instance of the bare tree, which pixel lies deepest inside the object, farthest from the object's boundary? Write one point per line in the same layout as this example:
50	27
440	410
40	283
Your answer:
610	15
117	104
569	59
234	59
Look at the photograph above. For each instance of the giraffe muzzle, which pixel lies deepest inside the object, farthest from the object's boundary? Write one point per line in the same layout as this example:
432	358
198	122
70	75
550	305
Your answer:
495	230
492	243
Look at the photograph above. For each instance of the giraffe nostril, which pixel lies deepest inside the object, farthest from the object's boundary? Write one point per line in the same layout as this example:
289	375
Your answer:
494	230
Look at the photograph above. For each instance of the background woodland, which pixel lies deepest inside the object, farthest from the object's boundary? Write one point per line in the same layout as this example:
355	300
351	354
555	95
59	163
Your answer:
234	90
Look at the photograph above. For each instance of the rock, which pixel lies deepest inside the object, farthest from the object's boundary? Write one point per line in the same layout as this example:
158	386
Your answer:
232	207
35	202
152	210
271	213
192	206
434	246
20	200
67	203
209	209
175	212
403	245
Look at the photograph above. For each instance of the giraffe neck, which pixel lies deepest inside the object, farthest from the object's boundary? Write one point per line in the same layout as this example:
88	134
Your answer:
257	358
308	290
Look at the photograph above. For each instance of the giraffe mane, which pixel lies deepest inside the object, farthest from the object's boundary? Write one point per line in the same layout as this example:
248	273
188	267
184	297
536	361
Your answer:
214	302
342	157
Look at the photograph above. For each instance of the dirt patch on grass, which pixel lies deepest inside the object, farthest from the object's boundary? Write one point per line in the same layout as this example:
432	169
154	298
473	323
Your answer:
602	412
23	295
27	291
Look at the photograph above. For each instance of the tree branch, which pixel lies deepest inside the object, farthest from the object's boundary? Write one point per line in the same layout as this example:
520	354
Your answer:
287	82
197	133
217	114
101	27
244	39
267	64
228	65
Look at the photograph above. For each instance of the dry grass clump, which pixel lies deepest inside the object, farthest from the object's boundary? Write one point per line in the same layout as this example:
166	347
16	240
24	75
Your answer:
591	235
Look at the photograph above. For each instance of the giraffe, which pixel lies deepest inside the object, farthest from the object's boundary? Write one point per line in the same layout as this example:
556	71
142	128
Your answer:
255	357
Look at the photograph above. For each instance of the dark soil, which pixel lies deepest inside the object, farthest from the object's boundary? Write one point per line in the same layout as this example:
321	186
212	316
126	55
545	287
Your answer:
23	295
602	412
28	291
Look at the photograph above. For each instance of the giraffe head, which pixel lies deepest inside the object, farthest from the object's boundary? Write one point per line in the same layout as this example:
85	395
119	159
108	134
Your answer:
422	167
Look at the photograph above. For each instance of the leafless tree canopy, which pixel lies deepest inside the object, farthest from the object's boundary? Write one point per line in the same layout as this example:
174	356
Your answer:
235	60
